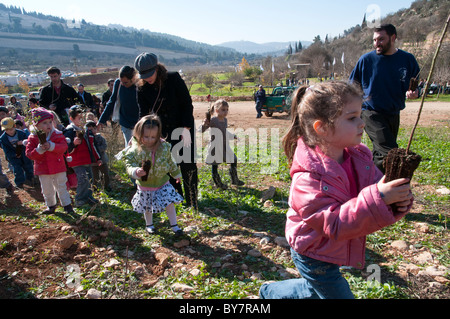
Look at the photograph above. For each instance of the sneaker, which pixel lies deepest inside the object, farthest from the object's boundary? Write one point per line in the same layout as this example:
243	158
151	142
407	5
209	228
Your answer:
177	230
150	229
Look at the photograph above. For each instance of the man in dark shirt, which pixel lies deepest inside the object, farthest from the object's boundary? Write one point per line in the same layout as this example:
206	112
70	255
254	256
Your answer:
384	75
58	96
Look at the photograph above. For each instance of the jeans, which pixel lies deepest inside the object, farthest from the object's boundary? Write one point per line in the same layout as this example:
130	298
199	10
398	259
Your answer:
84	177
127	134
321	280
258	108
23	169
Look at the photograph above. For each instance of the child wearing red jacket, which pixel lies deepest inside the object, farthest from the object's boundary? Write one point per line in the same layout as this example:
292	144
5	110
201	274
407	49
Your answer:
48	160
337	195
83	154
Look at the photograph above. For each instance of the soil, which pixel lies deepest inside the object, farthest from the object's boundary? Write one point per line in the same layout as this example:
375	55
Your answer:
31	254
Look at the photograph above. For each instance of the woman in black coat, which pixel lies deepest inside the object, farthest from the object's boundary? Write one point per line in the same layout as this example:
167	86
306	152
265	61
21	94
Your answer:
165	94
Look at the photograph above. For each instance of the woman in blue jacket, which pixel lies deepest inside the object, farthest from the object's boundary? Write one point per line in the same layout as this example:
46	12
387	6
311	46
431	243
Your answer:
124	92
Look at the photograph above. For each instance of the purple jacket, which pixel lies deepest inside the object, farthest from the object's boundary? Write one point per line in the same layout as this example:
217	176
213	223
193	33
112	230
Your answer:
324	221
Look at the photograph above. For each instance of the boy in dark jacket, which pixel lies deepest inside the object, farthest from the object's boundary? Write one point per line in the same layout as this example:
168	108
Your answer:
12	143
83	154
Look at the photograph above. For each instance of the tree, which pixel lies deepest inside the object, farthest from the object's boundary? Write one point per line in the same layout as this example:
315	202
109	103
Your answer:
243	65
209	81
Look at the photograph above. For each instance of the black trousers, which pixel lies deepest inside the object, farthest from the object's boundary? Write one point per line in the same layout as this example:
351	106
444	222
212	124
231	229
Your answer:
382	130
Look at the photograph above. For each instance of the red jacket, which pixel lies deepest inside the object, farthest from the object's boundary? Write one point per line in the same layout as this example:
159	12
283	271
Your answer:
325	222
84	154
49	162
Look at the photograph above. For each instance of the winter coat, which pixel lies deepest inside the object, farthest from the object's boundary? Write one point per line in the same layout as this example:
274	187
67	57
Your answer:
325	222
10	150
48	162
84	154
162	164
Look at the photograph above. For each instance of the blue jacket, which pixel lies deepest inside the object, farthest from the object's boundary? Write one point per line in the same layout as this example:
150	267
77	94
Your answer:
10	150
129	106
385	80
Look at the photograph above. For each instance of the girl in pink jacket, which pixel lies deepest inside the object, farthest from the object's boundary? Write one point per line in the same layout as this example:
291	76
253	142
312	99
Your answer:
337	195
49	163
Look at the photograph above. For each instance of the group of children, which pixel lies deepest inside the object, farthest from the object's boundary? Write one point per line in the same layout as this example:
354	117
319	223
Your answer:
337	195
61	157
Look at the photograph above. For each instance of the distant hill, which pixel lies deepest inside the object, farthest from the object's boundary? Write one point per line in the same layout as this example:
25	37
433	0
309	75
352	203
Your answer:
274	48
33	40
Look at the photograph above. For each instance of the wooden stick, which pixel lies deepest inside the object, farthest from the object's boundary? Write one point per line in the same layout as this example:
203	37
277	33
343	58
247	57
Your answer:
428	82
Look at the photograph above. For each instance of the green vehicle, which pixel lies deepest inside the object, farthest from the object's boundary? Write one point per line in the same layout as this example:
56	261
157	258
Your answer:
279	100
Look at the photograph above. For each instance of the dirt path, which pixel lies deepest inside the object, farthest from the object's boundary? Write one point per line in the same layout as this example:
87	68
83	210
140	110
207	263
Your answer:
243	115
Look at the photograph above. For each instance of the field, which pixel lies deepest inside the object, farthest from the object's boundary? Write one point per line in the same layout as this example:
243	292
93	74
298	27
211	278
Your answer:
234	242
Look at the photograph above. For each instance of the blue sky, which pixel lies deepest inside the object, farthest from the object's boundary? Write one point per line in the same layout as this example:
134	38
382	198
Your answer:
215	22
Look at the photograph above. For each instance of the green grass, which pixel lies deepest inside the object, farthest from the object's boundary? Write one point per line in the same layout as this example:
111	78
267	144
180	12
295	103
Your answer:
221	215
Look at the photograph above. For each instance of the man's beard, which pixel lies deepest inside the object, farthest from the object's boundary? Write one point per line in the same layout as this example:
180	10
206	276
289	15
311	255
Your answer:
384	48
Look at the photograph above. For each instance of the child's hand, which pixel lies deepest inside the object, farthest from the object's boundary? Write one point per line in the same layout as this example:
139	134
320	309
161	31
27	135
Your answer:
397	191
46	146
140	172
99	162
77	141
178	180
205	122
19	142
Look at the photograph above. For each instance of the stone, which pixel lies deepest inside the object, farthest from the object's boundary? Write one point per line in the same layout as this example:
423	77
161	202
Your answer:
268	194
443	190
66	242
162	258
32	240
93	294
264	240
182	287
254	253
422	227
111	263
281	241
182	243
268	203
400	245
424	257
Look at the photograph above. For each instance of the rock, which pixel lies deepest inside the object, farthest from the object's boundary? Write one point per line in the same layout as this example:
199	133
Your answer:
111	263
264	240
216	264
93	294
281	241
433	271
424	257
32	240
162	258
195	272
243	212
443	190
422	227
182	287
400	245
268	203
268	194
254	253
191	229
182	243
66	242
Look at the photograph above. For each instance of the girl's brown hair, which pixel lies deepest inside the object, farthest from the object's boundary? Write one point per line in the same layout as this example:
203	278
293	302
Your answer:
324	102
147	122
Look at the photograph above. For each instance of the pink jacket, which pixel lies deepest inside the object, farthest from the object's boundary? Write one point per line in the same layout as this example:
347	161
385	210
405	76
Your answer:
48	162
324	221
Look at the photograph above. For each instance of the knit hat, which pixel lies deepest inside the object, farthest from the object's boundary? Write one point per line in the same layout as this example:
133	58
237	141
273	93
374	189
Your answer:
7	123
40	114
146	64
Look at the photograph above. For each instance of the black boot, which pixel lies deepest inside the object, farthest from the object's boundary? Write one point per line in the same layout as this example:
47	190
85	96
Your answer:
50	210
216	178
234	175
